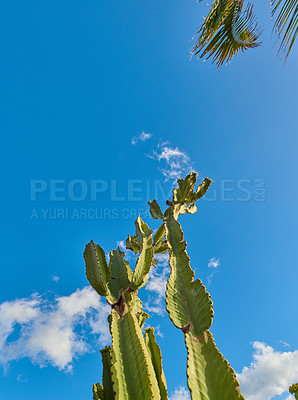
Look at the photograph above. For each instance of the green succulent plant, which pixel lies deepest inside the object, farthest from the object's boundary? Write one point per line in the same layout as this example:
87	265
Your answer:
132	366
294	390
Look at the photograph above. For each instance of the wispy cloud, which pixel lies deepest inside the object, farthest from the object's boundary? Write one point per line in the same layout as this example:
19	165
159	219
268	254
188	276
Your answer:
158	331
47	332
22	378
213	264
180	393
270	374
56	278
157	285
175	163
142	137
284	343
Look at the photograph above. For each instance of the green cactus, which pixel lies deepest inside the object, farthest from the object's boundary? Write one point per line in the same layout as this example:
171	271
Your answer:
132	367
294	390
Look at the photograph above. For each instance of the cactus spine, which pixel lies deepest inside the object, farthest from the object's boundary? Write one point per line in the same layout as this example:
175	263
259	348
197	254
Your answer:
132	367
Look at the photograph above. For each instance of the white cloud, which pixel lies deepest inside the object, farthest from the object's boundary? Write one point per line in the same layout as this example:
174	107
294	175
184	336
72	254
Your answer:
22	378
56	278
142	137
157	285
21	311
46	332
177	164
214	263
158	331
180	393
270	374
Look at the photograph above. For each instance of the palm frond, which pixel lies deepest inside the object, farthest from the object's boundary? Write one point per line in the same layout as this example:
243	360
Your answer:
287	22
214	19
226	30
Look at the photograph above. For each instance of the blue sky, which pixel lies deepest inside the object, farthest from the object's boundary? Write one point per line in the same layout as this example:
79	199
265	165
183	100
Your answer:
80	83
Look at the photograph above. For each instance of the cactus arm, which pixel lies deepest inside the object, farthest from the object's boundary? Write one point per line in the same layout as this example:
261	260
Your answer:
121	273
132	367
98	393
185	193
188	303
106	355
97	270
209	375
190	308
159	234
201	190
156	358
132	244
185	188
294	390
155	210
144	261
159	245
184	197
142	317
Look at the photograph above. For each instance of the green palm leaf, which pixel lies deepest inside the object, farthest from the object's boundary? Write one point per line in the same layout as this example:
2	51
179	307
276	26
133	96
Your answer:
286	22
226	30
